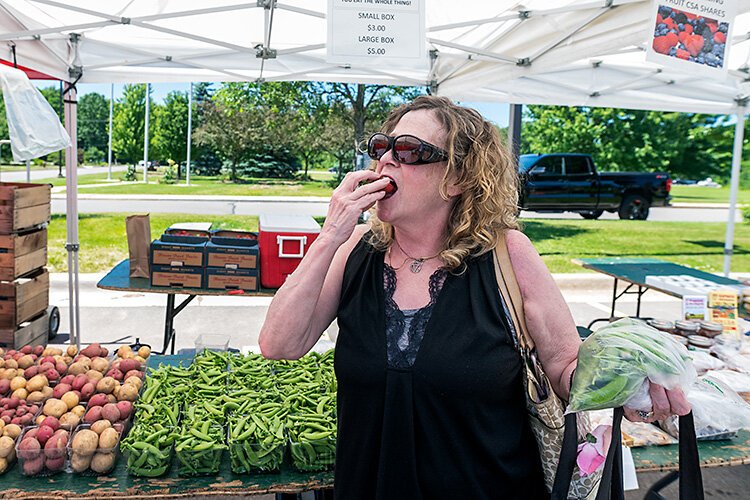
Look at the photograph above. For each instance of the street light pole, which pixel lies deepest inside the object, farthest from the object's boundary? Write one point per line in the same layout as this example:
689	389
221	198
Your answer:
189	134
145	135
111	110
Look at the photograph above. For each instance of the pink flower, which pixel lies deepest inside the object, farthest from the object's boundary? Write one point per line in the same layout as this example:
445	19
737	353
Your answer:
593	451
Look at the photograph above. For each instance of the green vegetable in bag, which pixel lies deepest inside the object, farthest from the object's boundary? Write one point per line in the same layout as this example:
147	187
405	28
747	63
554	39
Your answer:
614	362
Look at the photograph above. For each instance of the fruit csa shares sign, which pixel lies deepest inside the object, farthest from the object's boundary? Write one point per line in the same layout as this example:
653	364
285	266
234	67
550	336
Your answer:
692	35
373	31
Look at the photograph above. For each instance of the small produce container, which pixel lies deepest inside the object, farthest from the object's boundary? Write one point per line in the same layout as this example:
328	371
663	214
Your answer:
212	342
284	241
38	460
199	451
253	449
148	450
93	453
232	279
313	455
7	451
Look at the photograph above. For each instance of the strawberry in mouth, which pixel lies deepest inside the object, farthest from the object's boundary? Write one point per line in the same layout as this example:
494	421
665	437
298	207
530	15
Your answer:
391	188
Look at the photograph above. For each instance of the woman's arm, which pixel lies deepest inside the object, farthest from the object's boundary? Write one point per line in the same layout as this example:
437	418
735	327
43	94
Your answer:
548	318
307	302
553	330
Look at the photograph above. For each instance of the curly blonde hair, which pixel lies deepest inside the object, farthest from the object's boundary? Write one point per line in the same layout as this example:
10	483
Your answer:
483	168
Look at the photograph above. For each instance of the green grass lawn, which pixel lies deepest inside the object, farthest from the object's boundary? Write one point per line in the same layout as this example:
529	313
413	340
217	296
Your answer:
699	194
695	244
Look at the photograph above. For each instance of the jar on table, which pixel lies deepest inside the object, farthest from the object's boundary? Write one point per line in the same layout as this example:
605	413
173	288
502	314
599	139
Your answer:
661	325
679	338
710	329
700	342
686	328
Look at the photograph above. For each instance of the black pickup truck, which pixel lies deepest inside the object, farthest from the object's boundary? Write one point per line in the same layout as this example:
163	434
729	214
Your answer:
568	182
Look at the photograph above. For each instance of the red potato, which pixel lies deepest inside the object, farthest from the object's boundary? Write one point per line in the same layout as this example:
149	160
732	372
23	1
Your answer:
30	372
52	374
13	403
51	422
134	373
80	381
61	389
46	366
29	448
61	367
4	386
125	407
68	379
92	351
27	419
55	446
38	350
47	359
127	365
8	413
115	374
34	466
93	414
44	434
55	464
27	349
98	400
87	390
21	411
111	413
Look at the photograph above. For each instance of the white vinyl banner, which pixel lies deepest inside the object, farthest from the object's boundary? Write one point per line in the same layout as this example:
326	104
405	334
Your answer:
371	31
691	35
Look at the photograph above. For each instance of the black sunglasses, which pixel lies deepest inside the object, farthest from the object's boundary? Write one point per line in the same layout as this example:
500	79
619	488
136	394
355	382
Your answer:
406	149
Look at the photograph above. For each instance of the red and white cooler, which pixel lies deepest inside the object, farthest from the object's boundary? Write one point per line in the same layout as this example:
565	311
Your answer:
284	241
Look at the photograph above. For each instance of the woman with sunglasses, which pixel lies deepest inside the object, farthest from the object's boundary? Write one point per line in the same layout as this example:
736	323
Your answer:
430	399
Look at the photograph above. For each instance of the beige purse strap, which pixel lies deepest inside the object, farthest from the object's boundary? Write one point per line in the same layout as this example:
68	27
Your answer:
511	293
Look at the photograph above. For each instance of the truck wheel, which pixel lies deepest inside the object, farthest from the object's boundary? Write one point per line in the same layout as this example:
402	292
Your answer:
54	321
634	207
594	214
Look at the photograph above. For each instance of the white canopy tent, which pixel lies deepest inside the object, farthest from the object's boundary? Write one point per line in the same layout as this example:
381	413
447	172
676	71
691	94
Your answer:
536	52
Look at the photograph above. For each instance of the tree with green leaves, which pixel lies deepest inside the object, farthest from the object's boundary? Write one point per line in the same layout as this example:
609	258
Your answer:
170	128
338	137
93	124
232	132
129	124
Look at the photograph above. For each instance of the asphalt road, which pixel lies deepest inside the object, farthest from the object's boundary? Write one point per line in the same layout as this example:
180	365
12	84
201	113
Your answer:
47	173
250	206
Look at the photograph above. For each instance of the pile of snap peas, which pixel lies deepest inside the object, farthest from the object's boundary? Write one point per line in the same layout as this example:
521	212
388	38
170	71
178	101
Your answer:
247	404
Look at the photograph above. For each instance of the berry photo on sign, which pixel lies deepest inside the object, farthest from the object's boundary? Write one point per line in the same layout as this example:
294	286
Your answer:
690	37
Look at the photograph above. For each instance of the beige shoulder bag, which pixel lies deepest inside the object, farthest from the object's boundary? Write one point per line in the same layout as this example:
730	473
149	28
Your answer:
545	408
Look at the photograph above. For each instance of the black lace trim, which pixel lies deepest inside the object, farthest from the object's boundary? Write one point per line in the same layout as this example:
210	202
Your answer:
409	328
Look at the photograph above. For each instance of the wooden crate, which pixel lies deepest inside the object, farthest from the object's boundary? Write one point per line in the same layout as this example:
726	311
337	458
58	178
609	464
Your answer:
22	253
33	332
23	298
23	205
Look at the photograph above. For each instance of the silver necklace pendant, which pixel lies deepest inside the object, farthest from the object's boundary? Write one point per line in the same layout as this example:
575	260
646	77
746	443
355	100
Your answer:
416	265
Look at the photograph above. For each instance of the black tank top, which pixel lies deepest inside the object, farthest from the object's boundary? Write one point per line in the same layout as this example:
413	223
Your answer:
451	426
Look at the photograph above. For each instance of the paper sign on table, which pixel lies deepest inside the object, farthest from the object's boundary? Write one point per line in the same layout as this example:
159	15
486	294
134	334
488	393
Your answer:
694	306
722	309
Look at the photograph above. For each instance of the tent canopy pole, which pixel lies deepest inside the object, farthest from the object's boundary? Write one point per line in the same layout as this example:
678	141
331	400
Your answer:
739	136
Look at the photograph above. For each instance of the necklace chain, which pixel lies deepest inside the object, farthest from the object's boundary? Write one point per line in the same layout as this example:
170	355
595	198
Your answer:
416	263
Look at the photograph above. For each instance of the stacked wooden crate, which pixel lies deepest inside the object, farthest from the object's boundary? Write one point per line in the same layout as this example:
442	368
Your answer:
24	280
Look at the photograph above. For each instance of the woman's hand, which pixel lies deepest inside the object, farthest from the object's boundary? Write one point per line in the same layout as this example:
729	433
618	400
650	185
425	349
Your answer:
349	200
665	404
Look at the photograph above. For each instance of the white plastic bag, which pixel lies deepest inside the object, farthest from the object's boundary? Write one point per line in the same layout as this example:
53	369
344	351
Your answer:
703	362
34	127
615	361
738	382
719	412
730	355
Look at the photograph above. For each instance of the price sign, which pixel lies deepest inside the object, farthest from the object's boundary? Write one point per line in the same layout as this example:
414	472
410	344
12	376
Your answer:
369	31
